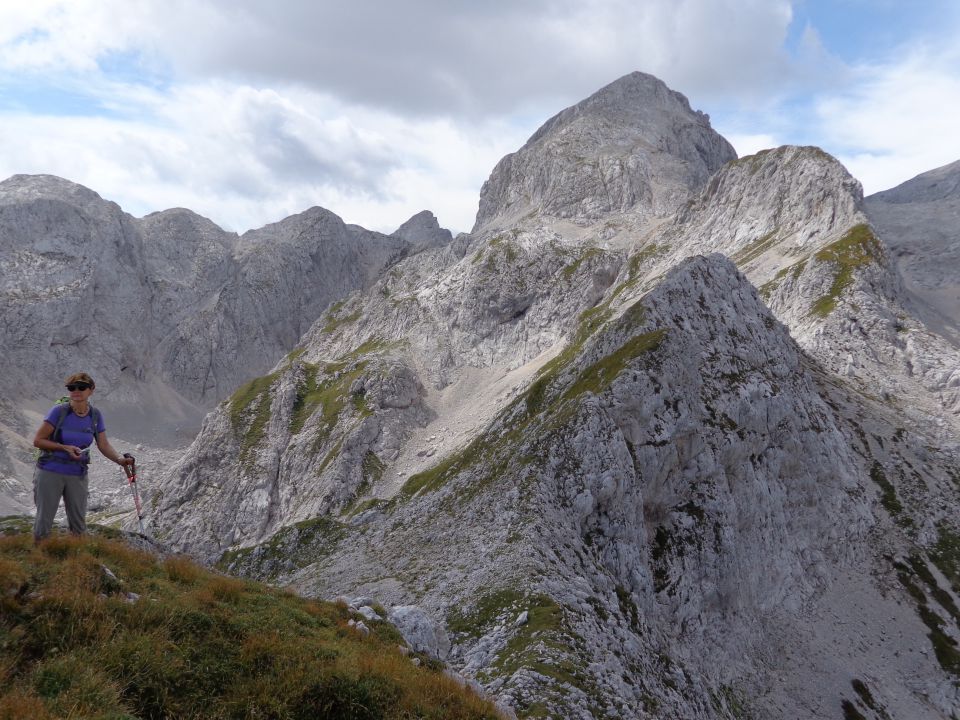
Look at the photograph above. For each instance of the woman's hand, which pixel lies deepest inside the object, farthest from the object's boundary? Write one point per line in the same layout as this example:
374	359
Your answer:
73	451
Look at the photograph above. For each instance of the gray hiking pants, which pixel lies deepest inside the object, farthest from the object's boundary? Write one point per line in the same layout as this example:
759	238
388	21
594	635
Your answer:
48	488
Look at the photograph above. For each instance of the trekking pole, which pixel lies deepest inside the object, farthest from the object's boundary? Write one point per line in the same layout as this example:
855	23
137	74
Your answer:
131	471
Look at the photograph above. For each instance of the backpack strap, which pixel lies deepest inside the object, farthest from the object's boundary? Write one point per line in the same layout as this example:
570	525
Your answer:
64	411
95	420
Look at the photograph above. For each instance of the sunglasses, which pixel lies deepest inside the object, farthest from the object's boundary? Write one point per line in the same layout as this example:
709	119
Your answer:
78	386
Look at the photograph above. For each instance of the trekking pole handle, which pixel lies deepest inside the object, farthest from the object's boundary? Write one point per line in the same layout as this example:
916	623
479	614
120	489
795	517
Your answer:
131	469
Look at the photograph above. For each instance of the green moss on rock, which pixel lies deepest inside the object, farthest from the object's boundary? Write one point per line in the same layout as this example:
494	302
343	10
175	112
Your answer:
250	412
888	496
635	265
768	288
602	373
756	248
290	548
335	320
858	248
372	468
589	254
945	554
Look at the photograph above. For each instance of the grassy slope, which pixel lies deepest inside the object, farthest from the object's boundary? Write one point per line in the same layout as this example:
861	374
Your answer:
75	644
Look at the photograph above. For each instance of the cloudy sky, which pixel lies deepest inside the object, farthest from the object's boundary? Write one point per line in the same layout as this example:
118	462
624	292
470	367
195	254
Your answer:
247	111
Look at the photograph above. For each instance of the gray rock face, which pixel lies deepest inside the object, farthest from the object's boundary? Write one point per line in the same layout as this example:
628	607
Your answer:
633	145
169	313
292	451
285	275
793	219
170	299
423	232
942	183
420	630
71	268
920	221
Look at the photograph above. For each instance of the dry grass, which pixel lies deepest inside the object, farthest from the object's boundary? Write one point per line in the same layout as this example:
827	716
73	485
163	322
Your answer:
194	645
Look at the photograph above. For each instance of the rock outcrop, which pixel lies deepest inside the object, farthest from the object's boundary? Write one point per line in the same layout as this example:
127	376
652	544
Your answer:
793	219
633	145
681	490
422	232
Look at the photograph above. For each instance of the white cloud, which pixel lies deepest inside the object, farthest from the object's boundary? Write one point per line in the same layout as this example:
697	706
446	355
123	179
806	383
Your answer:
898	120
747	144
375	110
245	157
429	56
66	35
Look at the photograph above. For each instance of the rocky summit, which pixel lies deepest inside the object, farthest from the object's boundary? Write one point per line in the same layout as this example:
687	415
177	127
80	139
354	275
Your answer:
635	144
669	434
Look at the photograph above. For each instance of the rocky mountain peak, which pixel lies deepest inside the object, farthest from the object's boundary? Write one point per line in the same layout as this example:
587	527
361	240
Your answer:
636	95
798	193
25	187
181	218
423	231
23	197
635	145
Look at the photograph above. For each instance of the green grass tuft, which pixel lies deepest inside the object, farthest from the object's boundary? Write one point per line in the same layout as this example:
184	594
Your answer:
768	288
636	263
944	646
602	373
888	496
328	391
850	711
756	248
373	468
250	412
858	248
863	691
194	645
335	320
589	254
946	555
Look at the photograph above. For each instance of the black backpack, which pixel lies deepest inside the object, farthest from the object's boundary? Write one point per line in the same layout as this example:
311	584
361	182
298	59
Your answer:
57	434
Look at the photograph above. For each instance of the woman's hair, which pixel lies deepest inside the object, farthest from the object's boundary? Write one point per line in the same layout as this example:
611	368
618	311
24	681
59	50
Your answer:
80	377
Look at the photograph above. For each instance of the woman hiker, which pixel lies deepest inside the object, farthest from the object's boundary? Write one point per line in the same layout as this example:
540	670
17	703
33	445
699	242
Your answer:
64	439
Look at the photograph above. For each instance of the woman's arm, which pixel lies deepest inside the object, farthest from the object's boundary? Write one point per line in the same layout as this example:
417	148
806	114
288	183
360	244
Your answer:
104	446
43	441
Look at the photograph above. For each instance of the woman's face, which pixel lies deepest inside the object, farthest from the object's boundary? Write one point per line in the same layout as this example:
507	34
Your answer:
79	391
